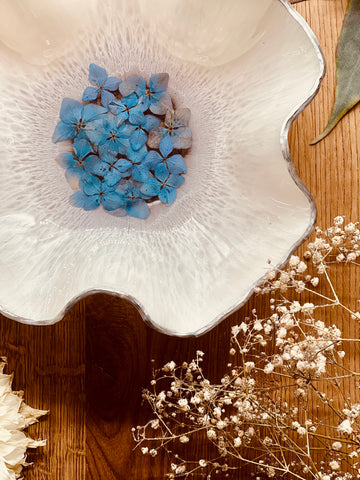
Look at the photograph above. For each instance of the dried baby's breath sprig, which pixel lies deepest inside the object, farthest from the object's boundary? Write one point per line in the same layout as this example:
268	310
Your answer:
270	411
15	416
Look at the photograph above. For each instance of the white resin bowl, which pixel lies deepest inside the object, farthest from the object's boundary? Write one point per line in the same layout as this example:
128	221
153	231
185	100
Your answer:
245	68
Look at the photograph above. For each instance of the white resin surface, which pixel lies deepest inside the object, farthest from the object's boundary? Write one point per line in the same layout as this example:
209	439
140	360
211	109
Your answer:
243	70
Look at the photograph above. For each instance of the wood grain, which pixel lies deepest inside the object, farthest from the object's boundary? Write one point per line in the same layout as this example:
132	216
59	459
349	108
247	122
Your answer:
89	369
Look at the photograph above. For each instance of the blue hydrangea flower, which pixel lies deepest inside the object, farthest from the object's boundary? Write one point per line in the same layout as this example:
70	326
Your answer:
105	85
82	160
123	108
95	192
132	165
111	133
135	205
176	126
110	166
153	97
174	164
163	184
76	120
142	124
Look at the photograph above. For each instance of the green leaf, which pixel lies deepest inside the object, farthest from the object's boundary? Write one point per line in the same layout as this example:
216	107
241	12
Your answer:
347	93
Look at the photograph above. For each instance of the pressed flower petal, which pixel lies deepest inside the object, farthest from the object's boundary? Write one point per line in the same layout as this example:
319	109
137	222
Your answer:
135	83
70	111
161	172
90	185
138	208
90	93
130	100
106	98
90	162
159	82
112	177
181	117
151	123
155	137
92	112
140	173
136	156
73	176
81	147
66	160
175	181
63	131
166	146
97	75
151	188
112	84
182	138
137	118
138	139
176	164
96	133
80	200
123	164
100	168
112	201
152	159
167	195
160	103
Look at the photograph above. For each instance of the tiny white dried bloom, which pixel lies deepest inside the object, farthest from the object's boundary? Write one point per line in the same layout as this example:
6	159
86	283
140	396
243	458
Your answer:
345	427
353	454
183	404
281	333
338	221
314	281
341	353
340	257
144	450
258	325
202	462
169	367
249	366
334	465
153	452
237	442
232	351
211	434
268	368
336	445
14	418
184	439
302	267
294	261
221	424
180	469
301	430
308	308
351	257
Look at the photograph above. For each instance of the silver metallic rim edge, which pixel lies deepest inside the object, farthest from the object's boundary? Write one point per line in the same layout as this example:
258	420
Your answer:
286	154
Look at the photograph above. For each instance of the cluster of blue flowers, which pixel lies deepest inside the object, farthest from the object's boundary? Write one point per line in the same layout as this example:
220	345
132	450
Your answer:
128	143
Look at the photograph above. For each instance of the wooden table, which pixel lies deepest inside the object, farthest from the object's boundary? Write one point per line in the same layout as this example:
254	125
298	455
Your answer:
89	369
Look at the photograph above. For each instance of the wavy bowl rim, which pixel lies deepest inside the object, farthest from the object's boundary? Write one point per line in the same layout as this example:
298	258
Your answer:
284	134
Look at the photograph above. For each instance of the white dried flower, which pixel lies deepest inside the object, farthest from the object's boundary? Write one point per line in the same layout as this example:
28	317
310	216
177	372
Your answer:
334	465
184	439
341	353
336	445
15	416
202	462
169	367
345	427
211	434
338	221
153	452
237	442
180	469
144	450
268	368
